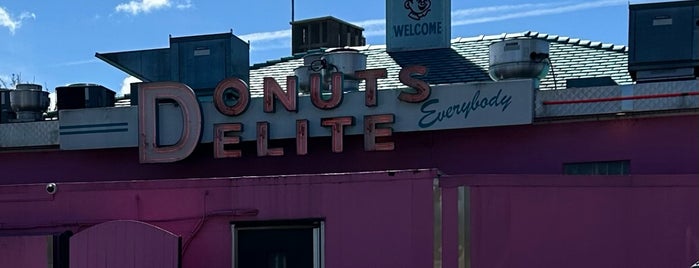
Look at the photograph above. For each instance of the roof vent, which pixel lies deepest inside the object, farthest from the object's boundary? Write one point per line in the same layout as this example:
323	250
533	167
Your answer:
344	60
312	63
664	41
347	61
519	59
29	102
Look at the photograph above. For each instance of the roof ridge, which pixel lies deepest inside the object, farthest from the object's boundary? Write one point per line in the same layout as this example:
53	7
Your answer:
547	37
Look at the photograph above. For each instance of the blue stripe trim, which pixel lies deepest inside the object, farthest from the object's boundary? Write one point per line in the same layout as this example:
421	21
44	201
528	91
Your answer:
95	131
95	125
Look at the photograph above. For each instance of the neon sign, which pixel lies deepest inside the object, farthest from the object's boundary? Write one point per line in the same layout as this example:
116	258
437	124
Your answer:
375	126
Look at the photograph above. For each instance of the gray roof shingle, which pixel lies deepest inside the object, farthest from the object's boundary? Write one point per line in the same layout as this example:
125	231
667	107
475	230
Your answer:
467	61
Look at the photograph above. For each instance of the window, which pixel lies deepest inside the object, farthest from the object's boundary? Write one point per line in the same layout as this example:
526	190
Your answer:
597	168
278	244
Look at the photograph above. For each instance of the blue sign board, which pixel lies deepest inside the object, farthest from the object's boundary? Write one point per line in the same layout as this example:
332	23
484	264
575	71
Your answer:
417	24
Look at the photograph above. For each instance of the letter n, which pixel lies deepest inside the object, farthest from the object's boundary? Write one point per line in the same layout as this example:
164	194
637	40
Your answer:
148	148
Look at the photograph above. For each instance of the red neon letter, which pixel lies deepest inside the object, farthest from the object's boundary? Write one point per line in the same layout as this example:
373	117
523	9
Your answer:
220	139
336	90
271	89
239	99
148	149
262	140
422	89
371	76
338	126
302	137
371	132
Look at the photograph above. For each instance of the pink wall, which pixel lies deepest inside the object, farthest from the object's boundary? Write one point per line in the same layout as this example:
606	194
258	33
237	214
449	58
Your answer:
385	219
25	251
124	244
654	145
361	212
580	221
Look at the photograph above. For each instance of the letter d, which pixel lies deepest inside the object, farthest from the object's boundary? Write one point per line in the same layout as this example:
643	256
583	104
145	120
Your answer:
148	149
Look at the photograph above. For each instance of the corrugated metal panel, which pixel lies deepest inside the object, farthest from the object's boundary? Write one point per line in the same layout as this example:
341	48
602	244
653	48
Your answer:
124	244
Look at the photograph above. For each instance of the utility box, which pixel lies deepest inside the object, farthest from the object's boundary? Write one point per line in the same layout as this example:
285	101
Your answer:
664	41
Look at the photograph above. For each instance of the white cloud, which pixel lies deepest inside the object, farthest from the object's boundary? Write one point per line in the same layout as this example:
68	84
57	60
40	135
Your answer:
377	27
126	85
556	9
187	4
53	99
136	7
266	36
77	62
7	20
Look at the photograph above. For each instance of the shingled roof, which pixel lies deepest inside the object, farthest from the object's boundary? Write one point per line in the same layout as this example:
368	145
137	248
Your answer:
467	61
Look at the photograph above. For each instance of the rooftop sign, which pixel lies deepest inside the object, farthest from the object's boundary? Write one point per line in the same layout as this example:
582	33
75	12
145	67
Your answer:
168	132
417	24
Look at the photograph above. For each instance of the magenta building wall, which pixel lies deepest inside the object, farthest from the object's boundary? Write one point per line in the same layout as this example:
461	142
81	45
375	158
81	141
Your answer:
654	145
24	251
371	220
577	221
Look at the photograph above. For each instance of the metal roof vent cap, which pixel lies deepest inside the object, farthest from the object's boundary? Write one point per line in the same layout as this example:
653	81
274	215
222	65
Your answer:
347	61
312	63
29	102
519	59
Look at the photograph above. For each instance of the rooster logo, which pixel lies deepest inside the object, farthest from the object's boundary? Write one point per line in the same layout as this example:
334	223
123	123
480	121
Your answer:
418	8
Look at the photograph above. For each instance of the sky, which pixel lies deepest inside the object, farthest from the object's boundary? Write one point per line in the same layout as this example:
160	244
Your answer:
53	43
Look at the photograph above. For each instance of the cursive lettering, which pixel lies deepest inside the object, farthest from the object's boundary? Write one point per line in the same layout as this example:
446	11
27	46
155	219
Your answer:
432	116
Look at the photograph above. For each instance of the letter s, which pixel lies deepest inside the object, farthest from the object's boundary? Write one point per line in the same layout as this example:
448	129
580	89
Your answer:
422	89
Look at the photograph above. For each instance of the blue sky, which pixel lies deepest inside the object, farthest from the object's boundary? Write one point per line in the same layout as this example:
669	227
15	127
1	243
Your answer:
53	43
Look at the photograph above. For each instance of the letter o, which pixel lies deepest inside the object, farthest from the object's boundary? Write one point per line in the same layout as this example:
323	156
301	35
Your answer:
243	96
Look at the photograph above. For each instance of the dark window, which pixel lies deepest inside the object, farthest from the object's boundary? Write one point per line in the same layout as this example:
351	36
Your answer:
597	168
287	244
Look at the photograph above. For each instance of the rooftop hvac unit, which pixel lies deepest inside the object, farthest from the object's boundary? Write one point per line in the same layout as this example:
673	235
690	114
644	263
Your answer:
664	41
84	95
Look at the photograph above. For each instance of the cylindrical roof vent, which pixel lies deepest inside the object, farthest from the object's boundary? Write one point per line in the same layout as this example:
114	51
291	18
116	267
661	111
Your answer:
519	59
29	102
347	61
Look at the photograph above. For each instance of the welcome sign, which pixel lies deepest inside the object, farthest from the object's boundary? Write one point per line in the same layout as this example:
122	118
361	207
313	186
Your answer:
417	24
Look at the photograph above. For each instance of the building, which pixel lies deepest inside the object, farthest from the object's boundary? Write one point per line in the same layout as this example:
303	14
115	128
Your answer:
592	165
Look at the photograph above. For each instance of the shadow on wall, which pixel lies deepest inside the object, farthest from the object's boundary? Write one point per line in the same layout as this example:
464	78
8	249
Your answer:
444	65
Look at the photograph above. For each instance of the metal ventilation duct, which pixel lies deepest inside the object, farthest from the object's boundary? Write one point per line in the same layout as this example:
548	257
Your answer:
347	61
29	102
519	59
312	63
344	60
